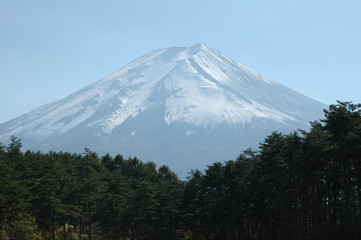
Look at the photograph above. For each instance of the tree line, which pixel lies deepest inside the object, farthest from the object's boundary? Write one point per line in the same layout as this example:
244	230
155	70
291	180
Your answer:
303	185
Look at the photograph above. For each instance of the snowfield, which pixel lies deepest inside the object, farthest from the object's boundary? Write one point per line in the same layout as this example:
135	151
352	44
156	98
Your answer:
195	94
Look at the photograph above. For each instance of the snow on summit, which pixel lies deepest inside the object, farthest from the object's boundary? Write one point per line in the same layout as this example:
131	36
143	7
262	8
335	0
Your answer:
199	86
183	91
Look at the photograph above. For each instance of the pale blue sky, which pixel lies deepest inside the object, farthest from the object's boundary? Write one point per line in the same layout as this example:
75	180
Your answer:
49	49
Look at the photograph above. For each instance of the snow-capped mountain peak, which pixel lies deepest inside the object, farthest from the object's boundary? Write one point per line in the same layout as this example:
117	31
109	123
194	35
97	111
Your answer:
197	85
194	89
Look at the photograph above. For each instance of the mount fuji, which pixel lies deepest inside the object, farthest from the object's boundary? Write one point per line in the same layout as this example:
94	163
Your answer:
185	107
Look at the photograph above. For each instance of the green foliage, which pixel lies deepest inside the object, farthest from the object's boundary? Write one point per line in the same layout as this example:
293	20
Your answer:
303	185
14	147
25	228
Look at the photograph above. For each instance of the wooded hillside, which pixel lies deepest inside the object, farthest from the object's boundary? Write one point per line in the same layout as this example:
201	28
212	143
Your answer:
303	185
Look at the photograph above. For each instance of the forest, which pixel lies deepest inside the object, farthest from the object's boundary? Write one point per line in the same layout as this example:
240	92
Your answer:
303	185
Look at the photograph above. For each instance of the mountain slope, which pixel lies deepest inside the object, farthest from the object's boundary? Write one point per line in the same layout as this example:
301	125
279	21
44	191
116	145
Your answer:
185	107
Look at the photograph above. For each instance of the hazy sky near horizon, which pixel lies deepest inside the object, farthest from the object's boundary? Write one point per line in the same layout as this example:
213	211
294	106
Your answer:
50	49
